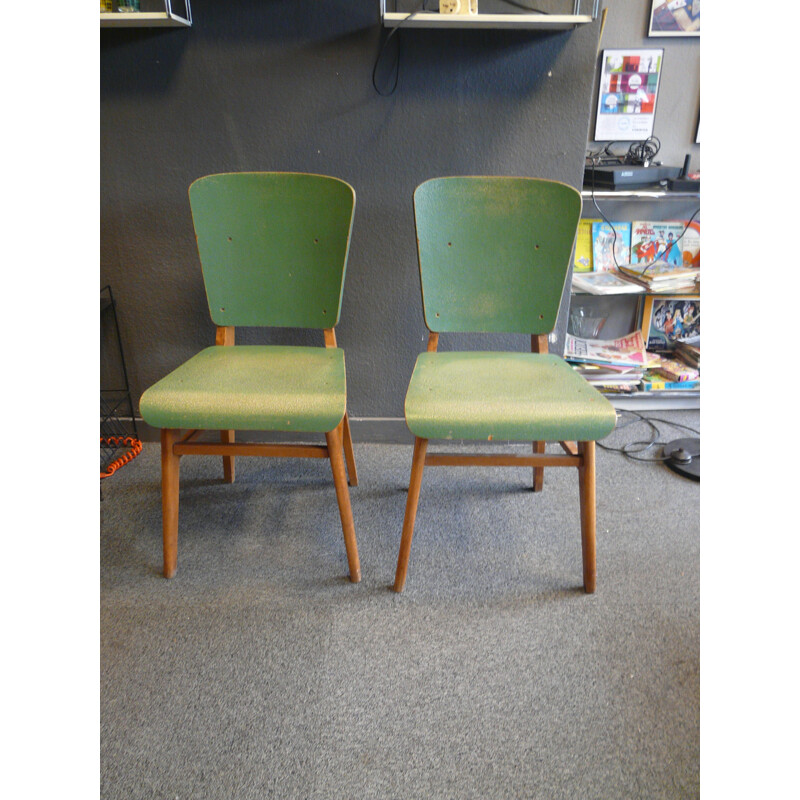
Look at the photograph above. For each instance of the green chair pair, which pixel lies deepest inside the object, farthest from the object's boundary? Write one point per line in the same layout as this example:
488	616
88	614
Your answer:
493	254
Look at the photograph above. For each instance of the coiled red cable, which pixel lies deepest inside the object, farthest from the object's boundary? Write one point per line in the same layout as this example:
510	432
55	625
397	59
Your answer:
133	443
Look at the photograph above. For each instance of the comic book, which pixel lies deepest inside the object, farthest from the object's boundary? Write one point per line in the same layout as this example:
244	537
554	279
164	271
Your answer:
671	242
583	246
611	245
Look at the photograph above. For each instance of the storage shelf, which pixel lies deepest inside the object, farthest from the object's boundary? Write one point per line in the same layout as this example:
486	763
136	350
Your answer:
168	18
427	19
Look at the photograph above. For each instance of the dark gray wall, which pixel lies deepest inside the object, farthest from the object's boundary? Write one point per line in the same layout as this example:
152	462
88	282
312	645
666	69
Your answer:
286	85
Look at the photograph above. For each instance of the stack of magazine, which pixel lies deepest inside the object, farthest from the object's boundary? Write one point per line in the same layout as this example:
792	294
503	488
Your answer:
623	366
657	277
610	365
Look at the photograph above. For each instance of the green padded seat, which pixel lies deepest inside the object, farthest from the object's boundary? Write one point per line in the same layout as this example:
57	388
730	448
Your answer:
505	396
251	387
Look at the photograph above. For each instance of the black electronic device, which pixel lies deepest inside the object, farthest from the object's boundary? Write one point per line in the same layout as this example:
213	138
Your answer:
683	456
686	181
627	176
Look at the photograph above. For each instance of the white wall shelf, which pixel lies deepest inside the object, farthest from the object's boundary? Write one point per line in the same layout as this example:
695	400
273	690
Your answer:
168	18
533	21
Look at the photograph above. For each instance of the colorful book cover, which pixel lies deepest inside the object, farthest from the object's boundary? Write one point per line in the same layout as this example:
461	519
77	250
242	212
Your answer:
653	383
611	245
669	320
583	246
675	242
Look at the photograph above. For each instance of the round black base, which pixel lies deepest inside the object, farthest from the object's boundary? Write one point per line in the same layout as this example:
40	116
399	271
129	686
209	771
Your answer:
683	456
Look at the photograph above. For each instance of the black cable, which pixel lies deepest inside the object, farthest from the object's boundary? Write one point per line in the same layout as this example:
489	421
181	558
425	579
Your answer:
646	445
523	6
420	7
636	151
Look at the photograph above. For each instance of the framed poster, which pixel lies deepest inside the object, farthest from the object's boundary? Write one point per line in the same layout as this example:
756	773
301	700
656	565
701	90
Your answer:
675	18
667	320
626	102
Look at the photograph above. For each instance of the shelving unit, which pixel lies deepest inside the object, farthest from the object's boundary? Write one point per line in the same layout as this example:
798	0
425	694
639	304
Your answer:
177	17
522	20
658	196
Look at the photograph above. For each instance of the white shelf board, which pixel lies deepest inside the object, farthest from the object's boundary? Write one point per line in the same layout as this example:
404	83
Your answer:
427	19
142	19
663	401
639	194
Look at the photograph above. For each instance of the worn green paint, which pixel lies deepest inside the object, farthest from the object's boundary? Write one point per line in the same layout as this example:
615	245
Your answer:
273	246
494	252
494	255
251	387
523	397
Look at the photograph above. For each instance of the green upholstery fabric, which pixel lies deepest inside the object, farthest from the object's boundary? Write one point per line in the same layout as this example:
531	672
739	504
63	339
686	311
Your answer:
507	396
494	252
251	387
273	246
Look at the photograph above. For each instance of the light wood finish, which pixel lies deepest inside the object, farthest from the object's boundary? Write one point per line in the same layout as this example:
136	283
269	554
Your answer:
570	447
228	464
347	438
586	480
538	345
538	472
501	460
349	455
418	461
265	449
226	337
170	482
433	342
334	439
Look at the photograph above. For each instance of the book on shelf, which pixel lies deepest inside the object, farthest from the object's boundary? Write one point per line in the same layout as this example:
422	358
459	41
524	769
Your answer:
659	273
604	283
583	261
624	351
676	243
676	371
611	245
652	382
688	353
669	321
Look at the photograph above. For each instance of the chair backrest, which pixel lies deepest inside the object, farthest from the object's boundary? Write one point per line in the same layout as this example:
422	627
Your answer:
494	252
273	246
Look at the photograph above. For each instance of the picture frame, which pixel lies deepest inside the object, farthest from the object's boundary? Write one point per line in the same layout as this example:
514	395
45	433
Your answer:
627	94
668	319
674	18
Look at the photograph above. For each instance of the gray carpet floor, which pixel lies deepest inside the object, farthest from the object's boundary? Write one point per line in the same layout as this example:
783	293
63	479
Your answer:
261	671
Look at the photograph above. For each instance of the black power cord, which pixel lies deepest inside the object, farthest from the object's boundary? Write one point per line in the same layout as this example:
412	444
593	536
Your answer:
411	15
643	446
640	154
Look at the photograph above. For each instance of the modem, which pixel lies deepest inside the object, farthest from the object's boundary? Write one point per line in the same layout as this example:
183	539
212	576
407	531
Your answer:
627	176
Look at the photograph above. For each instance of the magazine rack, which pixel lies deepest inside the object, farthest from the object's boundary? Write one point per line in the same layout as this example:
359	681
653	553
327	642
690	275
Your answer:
119	438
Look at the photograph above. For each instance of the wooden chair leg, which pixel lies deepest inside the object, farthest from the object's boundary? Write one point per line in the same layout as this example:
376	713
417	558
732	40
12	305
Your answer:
352	475
170	480
415	482
228	463
538	472
586	479
334	439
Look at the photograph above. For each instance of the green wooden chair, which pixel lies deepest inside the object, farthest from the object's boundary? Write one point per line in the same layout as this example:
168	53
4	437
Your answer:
273	249
493	257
